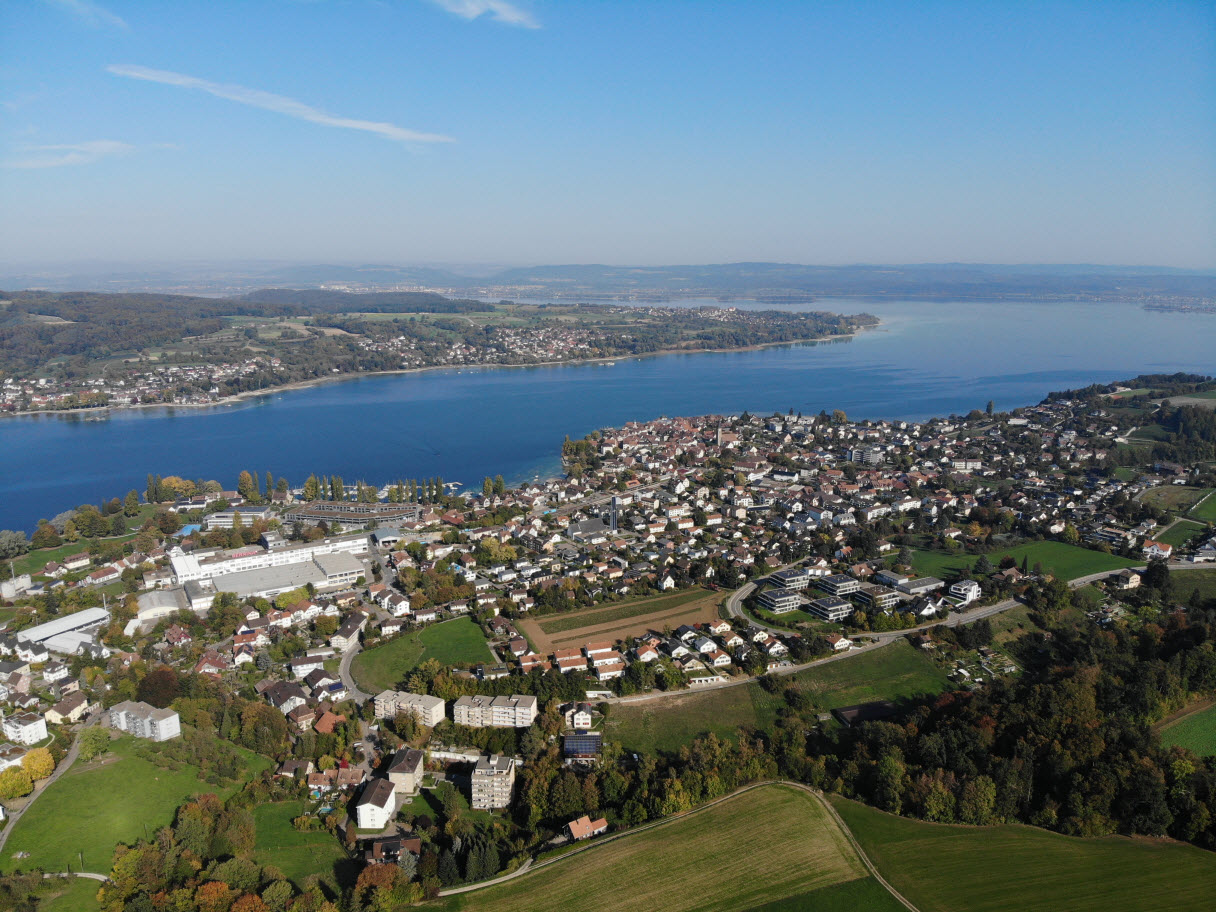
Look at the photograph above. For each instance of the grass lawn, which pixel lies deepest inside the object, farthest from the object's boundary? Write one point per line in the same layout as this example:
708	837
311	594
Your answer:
94	807
894	672
1064	561
1173	497
1180	533
455	642
1153	432
1196	731
1187	581
575	620
771	848
294	853
78	894
942	868
667	725
1205	510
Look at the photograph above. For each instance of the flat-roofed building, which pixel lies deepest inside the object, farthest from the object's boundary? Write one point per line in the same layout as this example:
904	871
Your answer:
429	710
878	597
831	608
144	721
515	711
493	782
780	601
922	586
839	584
795	578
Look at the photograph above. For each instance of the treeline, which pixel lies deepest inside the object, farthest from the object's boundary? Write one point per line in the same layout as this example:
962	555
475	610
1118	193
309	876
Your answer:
95	326
316	300
1176	384
1068	745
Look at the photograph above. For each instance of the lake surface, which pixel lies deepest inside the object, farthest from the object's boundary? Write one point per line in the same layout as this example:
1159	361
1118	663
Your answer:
928	358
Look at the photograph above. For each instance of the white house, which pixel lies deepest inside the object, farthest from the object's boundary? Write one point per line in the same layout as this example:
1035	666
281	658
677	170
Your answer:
25	728
377	805
966	591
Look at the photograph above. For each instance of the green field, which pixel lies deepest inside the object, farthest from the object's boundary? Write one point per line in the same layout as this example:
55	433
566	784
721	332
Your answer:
894	672
1066	562
1187	581
1196	731
668	724
1206	509
93	807
624	612
455	642
79	894
774	848
294	853
942	868
1180	533
1179	498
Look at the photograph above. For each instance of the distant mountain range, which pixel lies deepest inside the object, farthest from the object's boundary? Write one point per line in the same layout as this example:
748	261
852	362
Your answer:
773	282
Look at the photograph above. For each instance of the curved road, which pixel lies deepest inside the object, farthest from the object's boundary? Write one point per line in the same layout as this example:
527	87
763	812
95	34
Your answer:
881	639
348	679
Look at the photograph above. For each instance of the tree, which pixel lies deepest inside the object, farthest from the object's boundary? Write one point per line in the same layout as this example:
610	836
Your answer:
839	416
246	486
991	407
487	486
12	544
500	486
93	742
118	525
45	536
15	782
159	687
130	505
38	763
312	488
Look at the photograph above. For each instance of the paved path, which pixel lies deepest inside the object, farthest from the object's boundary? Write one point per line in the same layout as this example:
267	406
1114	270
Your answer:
89	875
68	760
347	678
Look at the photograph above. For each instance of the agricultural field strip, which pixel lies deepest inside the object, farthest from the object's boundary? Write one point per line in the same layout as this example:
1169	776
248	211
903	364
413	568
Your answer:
815	854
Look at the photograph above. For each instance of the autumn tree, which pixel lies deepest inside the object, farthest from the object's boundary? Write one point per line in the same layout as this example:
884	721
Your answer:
38	763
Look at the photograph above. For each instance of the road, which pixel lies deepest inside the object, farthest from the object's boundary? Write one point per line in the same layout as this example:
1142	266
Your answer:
734	606
347	678
63	767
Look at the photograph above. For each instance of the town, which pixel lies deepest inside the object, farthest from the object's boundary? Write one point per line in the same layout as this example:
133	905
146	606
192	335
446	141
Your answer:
440	683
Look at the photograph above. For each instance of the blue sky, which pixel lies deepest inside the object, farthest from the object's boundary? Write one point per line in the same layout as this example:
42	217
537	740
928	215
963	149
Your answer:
538	131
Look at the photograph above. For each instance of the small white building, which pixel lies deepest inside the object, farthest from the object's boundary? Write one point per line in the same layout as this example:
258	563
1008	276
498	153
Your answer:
377	805
966	591
25	728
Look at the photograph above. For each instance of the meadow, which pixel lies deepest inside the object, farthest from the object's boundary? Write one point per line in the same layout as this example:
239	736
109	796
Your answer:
1067	562
894	672
1194	730
294	853
773	848
1205	510
456	642
118	798
1173	497
1010	868
1180	533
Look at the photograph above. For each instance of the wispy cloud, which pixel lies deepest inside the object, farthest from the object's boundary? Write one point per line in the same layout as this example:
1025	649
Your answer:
280	104
89	13
498	10
60	156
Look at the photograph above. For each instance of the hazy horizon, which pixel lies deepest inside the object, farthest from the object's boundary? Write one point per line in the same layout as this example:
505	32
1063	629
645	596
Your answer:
452	132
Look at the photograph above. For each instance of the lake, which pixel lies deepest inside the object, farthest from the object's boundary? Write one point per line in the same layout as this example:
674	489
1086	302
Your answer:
927	358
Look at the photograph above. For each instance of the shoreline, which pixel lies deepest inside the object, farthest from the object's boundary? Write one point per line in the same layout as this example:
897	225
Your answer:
295	385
